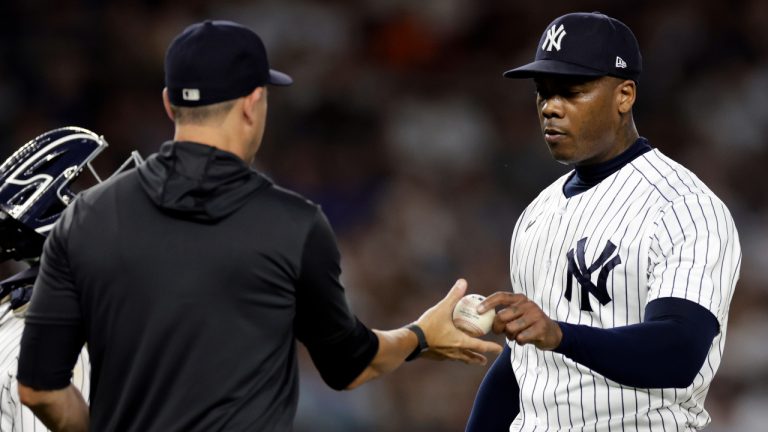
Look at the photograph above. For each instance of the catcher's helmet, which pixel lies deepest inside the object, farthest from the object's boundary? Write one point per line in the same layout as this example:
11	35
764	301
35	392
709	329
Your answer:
35	187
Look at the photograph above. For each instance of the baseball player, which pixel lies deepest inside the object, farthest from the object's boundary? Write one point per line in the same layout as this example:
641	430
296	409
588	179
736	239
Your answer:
34	189
622	270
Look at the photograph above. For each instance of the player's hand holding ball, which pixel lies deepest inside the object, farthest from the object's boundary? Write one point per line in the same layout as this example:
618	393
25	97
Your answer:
522	320
467	319
444	339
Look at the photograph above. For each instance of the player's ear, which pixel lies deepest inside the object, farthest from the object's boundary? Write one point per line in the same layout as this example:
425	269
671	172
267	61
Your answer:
167	104
251	103
626	93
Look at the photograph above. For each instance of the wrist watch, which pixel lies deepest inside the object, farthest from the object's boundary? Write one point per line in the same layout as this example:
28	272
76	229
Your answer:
422	341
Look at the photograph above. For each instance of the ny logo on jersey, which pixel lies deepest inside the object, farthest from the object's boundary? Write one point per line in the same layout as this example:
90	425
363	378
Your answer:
577	268
554	37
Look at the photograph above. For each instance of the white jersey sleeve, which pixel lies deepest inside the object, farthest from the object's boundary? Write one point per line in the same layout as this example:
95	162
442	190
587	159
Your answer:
695	254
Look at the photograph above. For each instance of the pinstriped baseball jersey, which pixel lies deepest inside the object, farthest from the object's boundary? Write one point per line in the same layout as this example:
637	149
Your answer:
14	417
650	230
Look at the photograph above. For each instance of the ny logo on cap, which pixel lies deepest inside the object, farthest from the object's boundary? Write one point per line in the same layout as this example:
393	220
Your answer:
554	37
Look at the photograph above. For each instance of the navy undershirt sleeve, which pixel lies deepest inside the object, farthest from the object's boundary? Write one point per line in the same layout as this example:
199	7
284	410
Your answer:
340	345
666	350
498	399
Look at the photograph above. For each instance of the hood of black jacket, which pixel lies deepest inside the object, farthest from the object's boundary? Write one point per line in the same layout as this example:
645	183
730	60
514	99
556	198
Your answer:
197	181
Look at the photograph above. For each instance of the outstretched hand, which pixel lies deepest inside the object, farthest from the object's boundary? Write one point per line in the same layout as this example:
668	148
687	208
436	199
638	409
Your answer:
445	340
522	320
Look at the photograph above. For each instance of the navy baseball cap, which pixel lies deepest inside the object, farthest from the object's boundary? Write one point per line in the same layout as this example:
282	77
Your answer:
215	61
585	44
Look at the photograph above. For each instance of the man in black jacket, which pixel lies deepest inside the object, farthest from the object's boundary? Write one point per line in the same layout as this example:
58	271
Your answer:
202	273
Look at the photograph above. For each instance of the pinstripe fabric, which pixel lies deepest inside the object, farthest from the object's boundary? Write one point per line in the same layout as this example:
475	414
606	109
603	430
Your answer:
14	417
674	238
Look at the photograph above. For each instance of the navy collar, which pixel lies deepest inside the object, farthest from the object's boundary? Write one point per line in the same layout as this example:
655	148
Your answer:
587	176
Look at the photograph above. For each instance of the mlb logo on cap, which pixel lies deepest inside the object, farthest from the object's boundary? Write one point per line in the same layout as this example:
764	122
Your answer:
585	44
190	94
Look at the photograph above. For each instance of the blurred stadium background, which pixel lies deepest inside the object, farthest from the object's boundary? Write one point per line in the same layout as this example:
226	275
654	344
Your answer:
402	127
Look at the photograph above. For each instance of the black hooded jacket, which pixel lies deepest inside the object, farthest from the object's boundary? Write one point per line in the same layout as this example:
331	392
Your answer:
198	182
189	278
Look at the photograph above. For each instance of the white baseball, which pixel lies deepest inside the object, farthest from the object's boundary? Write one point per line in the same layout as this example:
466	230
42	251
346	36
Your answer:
466	318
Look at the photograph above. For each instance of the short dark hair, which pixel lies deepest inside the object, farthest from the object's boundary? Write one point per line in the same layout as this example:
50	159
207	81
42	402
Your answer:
201	114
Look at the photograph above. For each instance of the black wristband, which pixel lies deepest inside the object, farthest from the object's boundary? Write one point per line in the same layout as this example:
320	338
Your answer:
422	341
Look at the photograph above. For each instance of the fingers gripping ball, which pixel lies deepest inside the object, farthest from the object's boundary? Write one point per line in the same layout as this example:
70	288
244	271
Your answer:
466	318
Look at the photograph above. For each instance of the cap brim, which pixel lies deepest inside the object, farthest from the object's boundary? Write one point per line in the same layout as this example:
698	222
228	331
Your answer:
551	67
279	78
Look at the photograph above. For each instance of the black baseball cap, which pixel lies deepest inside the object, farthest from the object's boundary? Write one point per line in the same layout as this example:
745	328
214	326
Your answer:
585	44
215	61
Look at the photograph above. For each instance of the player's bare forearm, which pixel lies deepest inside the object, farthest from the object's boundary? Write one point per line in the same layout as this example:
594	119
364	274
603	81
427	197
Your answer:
62	410
445	341
522	320
394	347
